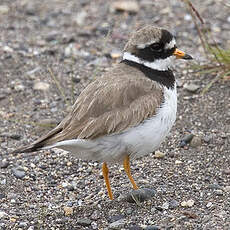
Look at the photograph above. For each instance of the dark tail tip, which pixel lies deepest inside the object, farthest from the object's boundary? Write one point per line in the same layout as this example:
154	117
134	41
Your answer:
26	149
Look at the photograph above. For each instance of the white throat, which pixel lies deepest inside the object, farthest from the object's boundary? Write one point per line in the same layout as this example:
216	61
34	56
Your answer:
159	64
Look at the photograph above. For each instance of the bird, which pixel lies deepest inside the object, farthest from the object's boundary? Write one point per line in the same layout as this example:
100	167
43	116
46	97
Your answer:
127	112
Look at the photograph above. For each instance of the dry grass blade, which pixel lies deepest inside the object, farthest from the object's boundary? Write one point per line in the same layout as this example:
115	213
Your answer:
59	87
219	58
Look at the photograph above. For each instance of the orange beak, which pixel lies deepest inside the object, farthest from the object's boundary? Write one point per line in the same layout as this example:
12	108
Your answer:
181	55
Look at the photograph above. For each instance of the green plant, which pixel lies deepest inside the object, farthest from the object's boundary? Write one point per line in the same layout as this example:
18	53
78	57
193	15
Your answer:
219	59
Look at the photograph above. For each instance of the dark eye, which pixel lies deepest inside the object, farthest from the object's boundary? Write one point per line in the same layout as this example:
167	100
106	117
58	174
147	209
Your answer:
156	47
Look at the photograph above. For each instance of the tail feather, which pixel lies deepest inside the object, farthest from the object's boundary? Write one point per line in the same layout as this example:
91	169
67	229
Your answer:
42	142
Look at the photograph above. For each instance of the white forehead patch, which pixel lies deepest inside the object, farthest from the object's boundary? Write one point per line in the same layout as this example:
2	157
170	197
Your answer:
171	44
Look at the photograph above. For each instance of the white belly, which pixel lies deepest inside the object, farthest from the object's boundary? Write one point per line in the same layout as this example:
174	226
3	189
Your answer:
136	142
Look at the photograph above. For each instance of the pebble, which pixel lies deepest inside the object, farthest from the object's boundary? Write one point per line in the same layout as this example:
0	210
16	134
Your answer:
191	87
178	162
125	5
84	222
219	192
196	141
4	163
80	18
209	204
135	227
173	204
140	195
4	9
2	196
226	171
117	224
207	139
39	85
2	214
116	54
159	154
18	172
68	211
153	227
187	138
227	188
13	136
188	203
165	206
129	211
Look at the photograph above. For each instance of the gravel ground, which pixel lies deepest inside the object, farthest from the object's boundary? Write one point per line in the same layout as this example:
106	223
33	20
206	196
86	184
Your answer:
73	42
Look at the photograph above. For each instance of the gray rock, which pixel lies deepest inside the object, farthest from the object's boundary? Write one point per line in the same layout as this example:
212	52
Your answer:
154	227
128	6
186	139
4	163
165	205
173	204
39	85
191	87
196	141
18	172
84	222
117	224
219	192
140	195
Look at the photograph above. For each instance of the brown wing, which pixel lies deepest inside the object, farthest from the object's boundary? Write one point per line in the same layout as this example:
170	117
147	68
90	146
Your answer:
119	100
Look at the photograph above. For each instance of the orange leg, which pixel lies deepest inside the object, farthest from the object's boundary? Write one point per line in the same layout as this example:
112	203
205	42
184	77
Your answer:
127	170
105	171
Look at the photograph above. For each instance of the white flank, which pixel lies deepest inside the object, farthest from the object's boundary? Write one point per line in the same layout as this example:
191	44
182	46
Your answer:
159	64
137	141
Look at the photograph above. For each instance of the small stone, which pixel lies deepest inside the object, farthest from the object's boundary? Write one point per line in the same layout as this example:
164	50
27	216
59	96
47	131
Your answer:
227	188
173	204
125	5
84	222
11	135
18	172
178	162
226	171
165	205
207	139
187	138
135	227
2	214
22	224
19	87
159	154
196	141
117	224
2	196
39	85
4	9
68	211
153	227
4	163
129	211
116	54
209	204
80	18
139	195
219	192
188	203
191	87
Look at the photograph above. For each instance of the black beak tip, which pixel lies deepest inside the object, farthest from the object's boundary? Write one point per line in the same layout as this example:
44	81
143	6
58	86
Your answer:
187	57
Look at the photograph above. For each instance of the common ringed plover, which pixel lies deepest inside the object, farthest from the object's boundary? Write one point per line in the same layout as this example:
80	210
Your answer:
127	112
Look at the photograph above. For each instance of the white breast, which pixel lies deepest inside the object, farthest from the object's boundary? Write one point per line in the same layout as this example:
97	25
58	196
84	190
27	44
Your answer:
136	142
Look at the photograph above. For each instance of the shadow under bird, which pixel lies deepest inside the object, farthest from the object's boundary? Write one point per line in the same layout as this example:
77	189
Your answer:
127	112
